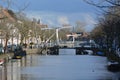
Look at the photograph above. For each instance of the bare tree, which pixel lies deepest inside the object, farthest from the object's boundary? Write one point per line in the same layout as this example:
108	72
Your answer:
6	28
111	18
105	5
10	3
9	16
79	27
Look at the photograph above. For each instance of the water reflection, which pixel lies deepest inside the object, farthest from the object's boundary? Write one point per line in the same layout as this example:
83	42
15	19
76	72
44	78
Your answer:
62	67
70	68
11	70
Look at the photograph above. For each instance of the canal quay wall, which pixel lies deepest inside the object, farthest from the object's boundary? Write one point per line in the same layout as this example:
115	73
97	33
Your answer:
9	55
32	51
6	55
44	51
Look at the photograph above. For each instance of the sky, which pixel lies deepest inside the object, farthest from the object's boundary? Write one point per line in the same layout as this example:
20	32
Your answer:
55	13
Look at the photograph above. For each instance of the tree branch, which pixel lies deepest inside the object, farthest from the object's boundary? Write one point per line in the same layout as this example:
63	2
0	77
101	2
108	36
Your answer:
113	3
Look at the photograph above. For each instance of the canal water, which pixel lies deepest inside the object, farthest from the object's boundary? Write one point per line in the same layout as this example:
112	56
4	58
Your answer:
66	66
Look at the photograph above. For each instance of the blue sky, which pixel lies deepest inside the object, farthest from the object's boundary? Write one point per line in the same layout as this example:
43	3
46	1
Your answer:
58	12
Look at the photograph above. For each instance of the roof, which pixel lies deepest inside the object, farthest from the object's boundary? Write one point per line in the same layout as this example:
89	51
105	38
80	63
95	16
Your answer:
5	13
42	25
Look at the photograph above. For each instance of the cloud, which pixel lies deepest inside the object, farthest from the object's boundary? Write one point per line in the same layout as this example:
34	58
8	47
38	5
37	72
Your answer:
63	20
50	22
54	19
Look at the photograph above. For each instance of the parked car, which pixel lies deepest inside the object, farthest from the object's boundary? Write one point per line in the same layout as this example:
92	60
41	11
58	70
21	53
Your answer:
1	50
11	47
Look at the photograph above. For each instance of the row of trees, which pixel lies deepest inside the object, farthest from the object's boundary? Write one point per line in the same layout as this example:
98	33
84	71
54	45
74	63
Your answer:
24	28
15	25
107	30
12	29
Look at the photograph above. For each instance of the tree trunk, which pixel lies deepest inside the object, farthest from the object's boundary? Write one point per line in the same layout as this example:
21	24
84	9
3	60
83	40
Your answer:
5	48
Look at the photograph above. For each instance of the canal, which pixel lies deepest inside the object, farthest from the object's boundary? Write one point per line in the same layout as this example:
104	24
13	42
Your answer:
58	67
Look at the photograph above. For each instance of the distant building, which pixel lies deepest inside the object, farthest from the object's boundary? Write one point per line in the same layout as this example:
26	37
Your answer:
6	14
7	17
77	36
36	39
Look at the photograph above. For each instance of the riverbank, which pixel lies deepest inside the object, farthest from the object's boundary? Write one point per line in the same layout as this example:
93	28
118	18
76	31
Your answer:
8	55
31	51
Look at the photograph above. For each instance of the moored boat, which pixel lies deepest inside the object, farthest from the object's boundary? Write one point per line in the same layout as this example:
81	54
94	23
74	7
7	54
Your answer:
1	61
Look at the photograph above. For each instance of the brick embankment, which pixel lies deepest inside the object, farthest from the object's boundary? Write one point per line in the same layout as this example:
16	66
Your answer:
31	51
